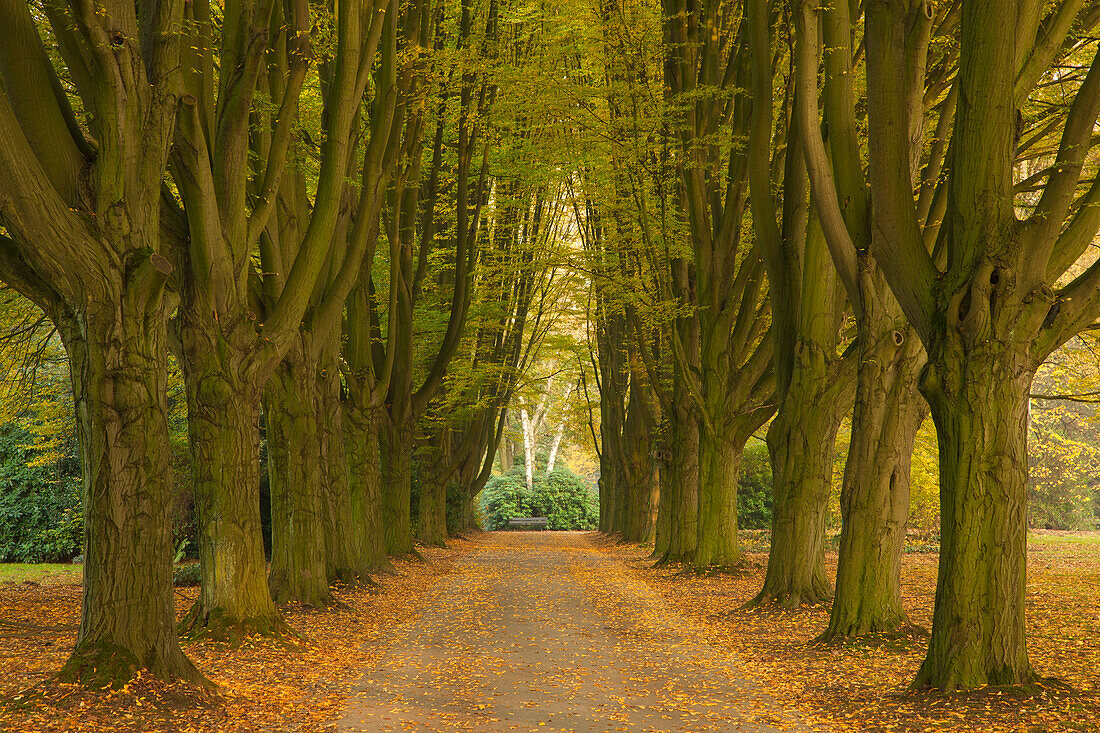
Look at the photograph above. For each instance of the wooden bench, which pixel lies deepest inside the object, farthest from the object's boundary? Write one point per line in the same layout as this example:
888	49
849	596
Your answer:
528	523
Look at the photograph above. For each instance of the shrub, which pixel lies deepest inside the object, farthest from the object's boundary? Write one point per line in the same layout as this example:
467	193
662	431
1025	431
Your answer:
504	497
188	576
564	498
41	515
754	488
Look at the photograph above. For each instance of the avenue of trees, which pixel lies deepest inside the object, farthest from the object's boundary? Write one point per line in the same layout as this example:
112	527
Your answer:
395	245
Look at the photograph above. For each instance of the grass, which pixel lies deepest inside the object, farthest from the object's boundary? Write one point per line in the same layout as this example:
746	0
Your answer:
42	573
1054	538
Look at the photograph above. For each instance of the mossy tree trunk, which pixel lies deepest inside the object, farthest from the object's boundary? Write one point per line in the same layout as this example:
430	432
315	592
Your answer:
82	239
874	498
801	442
431	528
681	491
362	426
979	400
118	362
298	568
717	543
397	448
337	517
223	399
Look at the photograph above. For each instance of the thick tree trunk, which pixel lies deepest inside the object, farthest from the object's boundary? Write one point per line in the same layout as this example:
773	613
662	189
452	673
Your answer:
397	447
431	526
639	477
874	499
362	427
298	568
223	404
801	440
979	401
683	482
118	364
610	483
662	523
340	552
717	544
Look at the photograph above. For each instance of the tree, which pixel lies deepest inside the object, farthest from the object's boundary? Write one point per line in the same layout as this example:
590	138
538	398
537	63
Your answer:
986	300
812	375
888	408
235	324
728	375
82	214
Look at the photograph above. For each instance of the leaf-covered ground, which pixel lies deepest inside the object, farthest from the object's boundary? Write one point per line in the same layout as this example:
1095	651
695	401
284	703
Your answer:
304	684
864	687
540	631
290	684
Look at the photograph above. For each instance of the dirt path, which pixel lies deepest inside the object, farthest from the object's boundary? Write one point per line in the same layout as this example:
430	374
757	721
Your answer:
542	631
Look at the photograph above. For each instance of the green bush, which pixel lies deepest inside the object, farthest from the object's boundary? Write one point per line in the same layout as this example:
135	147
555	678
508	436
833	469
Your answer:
754	488
41	515
505	497
563	497
188	576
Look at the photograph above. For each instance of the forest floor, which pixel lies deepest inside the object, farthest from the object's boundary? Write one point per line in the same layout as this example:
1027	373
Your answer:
298	683
584	628
864	686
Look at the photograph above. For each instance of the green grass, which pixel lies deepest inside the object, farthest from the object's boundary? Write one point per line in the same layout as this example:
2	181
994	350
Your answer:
1066	538
52	573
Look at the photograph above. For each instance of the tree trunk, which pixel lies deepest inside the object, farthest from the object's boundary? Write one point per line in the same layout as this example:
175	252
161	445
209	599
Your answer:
801	440
223	422
683	482
118	365
979	401
717	544
335	485
397	447
432	518
298	568
874	499
362	427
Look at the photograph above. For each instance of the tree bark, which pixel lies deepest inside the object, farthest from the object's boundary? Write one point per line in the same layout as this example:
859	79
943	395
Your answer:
801	440
432	518
682	493
298	568
362	427
397	447
336	482
979	400
118	364
874	499
223	401
717	543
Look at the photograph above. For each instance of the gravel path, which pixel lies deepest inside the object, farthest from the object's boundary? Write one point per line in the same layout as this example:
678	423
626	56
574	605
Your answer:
541	631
